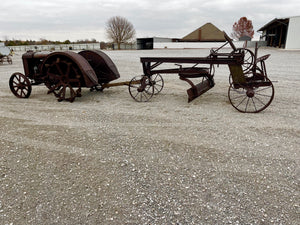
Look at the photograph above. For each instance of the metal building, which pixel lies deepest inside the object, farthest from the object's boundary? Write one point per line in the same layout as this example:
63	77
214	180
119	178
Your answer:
148	43
282	33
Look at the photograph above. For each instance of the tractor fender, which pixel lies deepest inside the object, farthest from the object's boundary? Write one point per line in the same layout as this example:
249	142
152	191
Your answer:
102	64
89	76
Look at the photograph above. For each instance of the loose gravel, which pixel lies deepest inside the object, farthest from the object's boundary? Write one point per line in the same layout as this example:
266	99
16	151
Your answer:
106	159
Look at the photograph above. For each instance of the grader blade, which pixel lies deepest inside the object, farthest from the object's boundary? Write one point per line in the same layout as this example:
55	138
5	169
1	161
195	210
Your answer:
198	89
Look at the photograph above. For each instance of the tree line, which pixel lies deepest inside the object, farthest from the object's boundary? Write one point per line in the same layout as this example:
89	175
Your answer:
45	42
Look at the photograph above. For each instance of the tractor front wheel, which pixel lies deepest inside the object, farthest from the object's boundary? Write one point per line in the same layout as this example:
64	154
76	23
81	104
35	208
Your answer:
20	85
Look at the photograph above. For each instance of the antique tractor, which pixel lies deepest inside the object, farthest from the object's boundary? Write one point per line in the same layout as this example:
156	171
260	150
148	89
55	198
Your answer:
64	73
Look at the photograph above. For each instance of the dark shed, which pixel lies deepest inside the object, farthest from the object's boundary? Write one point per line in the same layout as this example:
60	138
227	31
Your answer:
275	32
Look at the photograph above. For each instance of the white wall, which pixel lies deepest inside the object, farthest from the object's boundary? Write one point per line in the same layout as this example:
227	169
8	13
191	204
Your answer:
293	35
182	45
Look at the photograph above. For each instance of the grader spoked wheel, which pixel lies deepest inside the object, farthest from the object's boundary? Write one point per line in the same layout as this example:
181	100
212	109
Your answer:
248	59
20	85
251	98
141	88
63	79
158	83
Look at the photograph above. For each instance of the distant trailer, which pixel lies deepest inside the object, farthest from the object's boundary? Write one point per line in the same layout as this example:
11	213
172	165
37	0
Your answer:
5	54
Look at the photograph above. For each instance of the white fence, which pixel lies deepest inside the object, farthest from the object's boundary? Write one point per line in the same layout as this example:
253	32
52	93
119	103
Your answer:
61	47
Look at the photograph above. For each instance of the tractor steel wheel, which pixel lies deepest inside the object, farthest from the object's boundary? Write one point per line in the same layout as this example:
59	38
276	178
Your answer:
20	85
141	88
63	79
251	98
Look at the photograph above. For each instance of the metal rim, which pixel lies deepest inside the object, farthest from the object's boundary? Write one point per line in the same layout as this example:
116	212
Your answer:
251	98
141	88
20	85
248	59
158	83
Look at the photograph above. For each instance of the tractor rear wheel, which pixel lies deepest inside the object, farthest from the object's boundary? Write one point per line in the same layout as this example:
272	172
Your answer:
62	78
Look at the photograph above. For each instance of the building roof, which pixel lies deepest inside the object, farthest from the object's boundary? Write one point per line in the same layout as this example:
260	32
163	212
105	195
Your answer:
275	22
208	32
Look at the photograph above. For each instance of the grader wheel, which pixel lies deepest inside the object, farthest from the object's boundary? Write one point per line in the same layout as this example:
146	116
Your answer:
20	85
251	98
62	78
141	88
248	59
158	83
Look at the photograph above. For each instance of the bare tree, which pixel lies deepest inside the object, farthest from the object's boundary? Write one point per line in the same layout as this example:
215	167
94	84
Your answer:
242	28
119	30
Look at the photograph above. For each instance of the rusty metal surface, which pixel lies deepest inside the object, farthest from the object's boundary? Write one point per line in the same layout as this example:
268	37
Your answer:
248	74
37	55
198	89
65	73
87	71
32	64
235	57
102	65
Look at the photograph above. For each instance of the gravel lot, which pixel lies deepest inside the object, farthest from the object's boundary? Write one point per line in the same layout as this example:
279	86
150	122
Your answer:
106	159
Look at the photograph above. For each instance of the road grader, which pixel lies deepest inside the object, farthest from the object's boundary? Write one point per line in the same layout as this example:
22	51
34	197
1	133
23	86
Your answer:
65	73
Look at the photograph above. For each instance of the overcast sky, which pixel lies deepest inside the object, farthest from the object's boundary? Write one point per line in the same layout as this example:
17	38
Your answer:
85	19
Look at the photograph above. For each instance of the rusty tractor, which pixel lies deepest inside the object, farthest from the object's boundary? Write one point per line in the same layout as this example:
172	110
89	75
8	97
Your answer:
64	73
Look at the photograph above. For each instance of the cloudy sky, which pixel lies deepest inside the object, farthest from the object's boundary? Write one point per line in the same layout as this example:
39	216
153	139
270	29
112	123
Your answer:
85	19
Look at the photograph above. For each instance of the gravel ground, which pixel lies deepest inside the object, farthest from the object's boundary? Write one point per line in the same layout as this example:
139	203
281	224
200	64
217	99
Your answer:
106	159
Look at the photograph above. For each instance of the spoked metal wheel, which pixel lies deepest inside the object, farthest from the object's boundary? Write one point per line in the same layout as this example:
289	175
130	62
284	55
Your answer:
251	98
248	59
157	82
20	85
141	88
63	79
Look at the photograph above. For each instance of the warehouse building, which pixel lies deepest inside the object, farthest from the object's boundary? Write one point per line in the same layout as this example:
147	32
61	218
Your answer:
148	43
207	33
282	33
